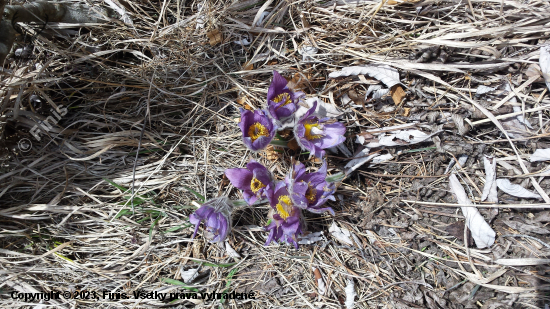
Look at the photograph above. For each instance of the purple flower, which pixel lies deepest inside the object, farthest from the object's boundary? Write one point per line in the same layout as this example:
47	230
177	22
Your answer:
217	215
257	128
310	191
253	180
285	225
281	102
316	134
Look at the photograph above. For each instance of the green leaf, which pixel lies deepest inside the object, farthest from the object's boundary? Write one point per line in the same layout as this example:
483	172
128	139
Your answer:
179	283
153	226
229	277
336	177
124	212
185	207
175	228
279	143
197	194
115	185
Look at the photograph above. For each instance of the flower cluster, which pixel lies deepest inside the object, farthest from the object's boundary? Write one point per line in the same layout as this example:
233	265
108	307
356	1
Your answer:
312	133
299	191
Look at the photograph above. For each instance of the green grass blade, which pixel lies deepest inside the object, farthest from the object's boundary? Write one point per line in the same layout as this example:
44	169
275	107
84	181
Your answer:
178	283
201	198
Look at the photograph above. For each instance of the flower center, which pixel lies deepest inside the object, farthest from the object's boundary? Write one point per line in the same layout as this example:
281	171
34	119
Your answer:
311	194
283	97
256	130
284	207
309	125
256	185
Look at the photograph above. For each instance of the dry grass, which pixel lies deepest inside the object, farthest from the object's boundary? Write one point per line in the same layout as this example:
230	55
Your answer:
67	220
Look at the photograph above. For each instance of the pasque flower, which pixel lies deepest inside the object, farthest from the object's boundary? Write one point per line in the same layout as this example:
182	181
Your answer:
310	191
286	223
257	128
316	134
252	180
281	101
217	216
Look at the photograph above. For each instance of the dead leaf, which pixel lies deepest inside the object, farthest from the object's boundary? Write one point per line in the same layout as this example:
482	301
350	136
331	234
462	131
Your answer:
540	155
544	62
457	230
242	101
533	70
350	294
293	144
490	188
386	74
298	82
343	235
515	190
271	154
306	52
315	160
248	66
483	234
230	251
215	36
189	275
397	138
397	94
286	134
321	288
311	238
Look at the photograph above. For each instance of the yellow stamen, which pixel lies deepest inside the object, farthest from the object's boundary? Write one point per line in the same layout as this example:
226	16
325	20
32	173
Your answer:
311	194
284	207
283	97
310	125
256	185
256	130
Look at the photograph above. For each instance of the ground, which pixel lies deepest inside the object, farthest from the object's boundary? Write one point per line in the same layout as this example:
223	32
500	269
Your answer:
148	116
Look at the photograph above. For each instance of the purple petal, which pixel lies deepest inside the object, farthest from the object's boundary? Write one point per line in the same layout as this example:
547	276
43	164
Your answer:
314	178
299	194
299	170
317	151
261	142
297	95
330	141
247	119
213	221
239	177
277	85
309	112
249	197
253	164
248	143
263	175
281	112
321	210
196	229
